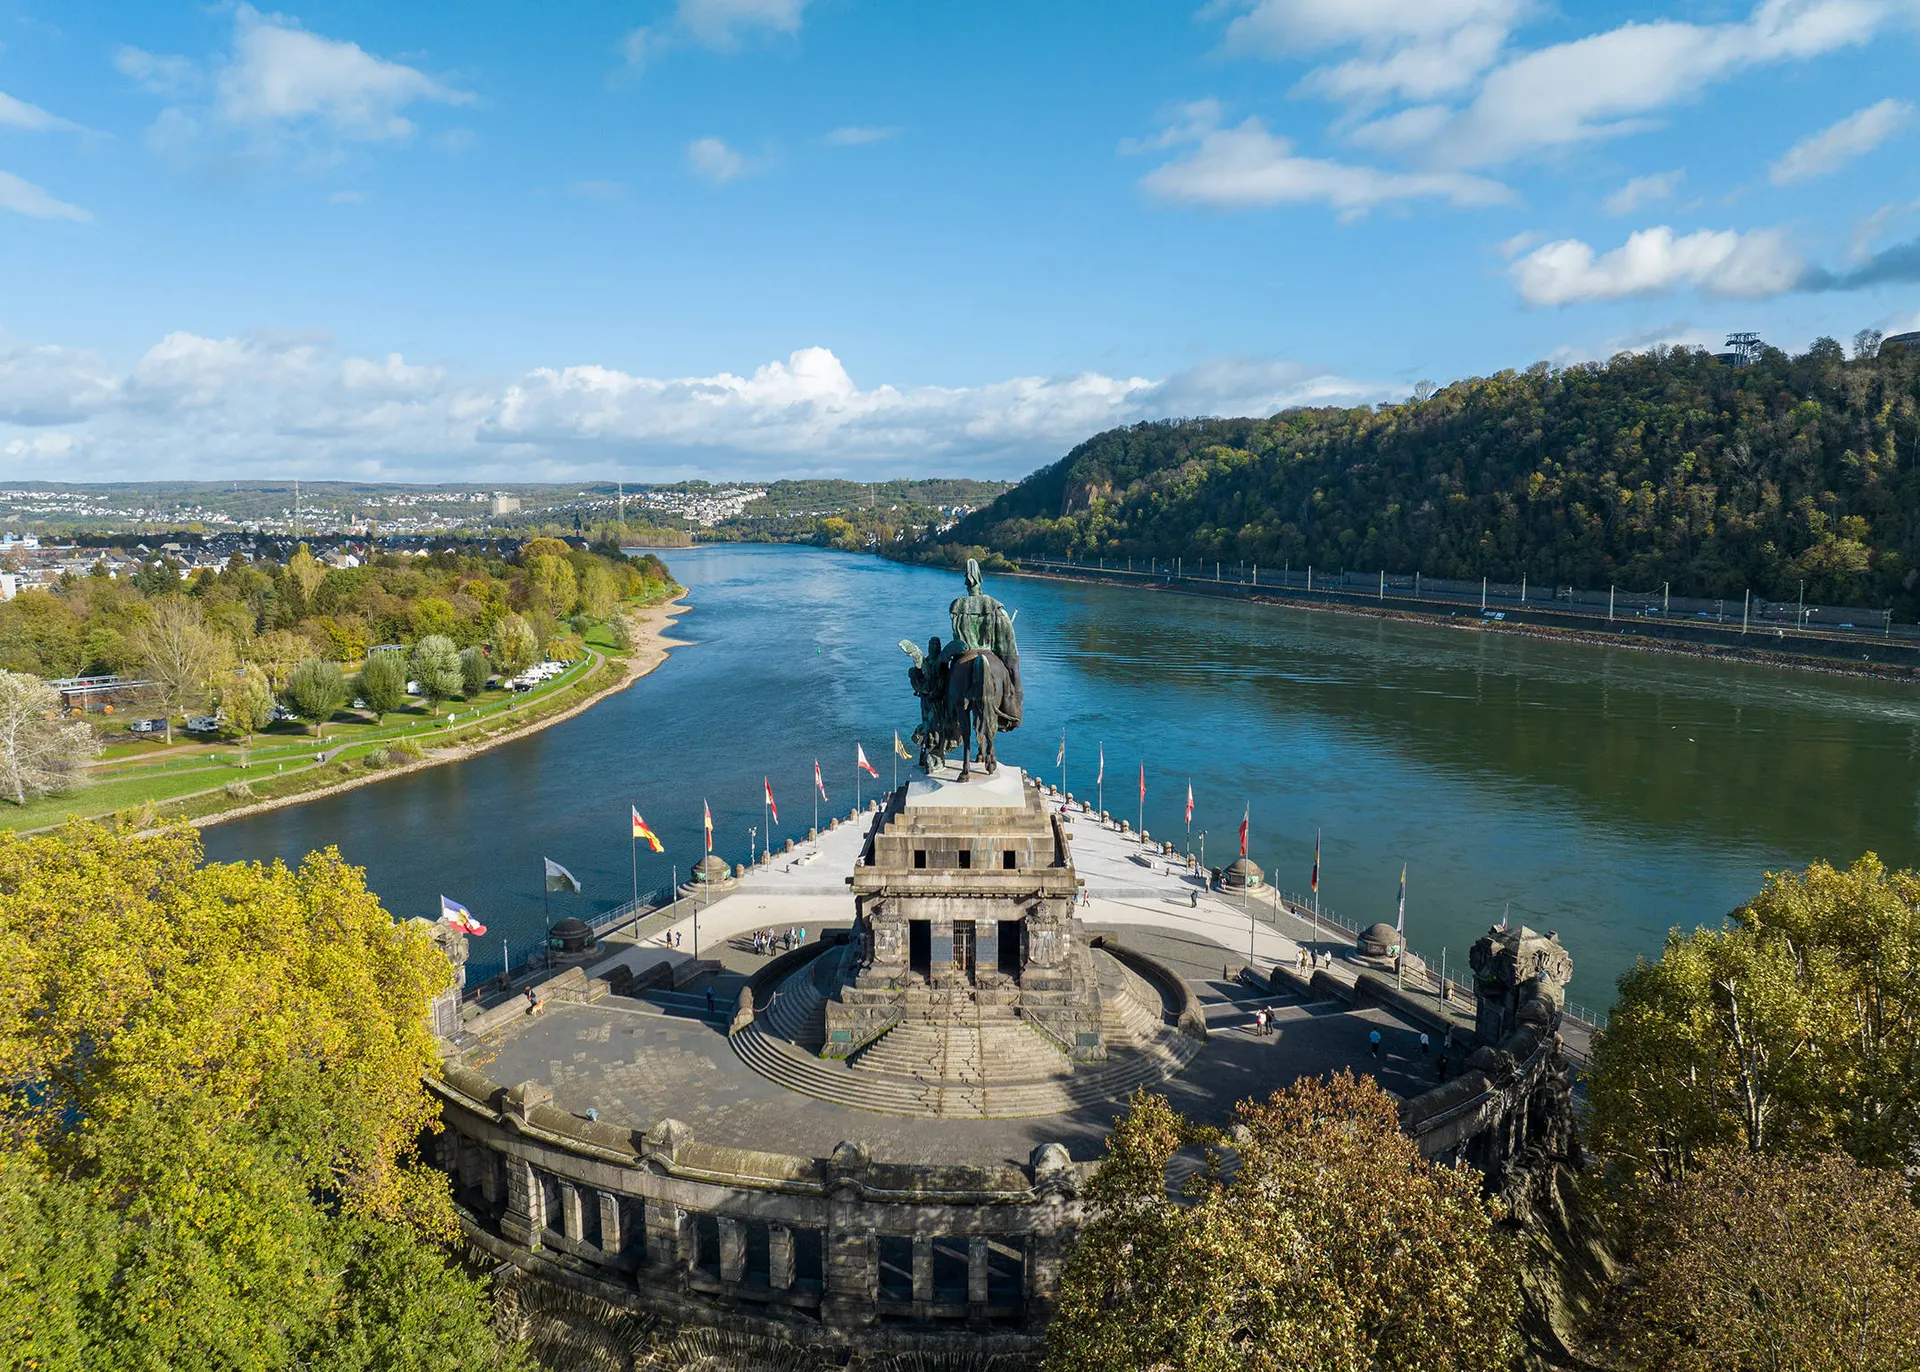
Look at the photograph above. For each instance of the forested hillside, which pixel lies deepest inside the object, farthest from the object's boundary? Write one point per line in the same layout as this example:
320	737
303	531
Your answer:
1651	468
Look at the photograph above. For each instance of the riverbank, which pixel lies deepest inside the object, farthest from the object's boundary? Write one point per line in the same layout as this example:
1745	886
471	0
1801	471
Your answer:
364	764
1676	637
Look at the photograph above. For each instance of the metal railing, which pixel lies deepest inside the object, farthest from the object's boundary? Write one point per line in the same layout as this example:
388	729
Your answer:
1754	614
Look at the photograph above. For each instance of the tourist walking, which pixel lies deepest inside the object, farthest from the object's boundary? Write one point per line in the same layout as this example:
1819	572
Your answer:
1260	1021
1446	1039
709	1000
1423	1043
1373	1041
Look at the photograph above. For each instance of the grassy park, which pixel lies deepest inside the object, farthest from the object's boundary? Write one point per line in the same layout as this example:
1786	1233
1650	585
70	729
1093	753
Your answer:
197	776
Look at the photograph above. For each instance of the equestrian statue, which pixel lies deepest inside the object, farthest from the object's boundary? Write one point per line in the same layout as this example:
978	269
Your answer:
969	688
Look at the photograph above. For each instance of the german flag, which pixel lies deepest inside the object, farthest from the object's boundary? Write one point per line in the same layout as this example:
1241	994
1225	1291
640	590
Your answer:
641	831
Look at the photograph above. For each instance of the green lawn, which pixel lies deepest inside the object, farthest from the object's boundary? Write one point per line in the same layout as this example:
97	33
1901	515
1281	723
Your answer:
148	772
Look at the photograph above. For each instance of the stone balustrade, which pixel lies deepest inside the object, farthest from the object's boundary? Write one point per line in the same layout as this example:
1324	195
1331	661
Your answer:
814	1248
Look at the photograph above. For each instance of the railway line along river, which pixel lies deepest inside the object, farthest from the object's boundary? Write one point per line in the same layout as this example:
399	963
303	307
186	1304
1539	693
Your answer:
1607	795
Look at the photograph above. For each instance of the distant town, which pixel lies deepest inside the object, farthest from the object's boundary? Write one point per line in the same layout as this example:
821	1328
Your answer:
52	530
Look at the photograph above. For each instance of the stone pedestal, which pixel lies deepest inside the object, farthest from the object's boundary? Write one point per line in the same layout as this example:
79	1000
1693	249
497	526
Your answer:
965	897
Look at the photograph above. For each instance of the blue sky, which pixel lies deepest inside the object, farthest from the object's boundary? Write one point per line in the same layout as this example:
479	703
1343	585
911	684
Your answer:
746	238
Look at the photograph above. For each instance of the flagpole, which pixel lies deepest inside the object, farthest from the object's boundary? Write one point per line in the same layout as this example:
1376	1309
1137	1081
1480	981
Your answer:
1140	818
1100	781
546	902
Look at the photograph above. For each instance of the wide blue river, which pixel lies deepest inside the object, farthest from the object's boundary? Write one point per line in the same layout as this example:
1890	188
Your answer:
1608	794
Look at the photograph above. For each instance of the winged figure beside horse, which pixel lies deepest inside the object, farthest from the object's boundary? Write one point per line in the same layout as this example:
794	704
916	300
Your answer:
969	687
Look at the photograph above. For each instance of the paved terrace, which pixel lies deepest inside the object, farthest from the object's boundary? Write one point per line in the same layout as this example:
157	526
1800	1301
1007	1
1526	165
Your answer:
639	1060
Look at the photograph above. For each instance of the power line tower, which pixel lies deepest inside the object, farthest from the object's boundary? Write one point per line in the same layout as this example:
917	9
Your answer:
1747	346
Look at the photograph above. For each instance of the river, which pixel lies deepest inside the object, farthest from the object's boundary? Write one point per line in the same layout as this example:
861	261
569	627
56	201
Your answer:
1607	794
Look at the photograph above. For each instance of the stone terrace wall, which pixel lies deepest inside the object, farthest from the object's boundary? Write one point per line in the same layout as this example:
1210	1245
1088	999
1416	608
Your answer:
811	1248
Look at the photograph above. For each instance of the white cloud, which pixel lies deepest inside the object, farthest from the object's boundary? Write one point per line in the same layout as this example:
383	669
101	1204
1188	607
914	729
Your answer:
1619	81
347	198
44	385
1467	99
1285	27
1721	262
283	75
713	159
286	404
1838	144
1246	166
1415	71
23	197
717	25
858	135
155	72
1642	190
18	114
721	24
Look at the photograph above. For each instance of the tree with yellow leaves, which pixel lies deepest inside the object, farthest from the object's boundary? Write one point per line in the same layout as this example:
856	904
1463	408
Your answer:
213	1101
1330	1245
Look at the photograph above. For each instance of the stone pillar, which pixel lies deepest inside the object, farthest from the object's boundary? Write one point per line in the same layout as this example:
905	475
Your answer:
922	1268
526	1213
1046	1257
779	1257
852	1271
669	1237
573	1222
610	1237
977	1270
733	1249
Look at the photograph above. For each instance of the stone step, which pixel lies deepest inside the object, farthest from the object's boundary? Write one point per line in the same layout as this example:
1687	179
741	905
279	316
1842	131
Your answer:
996	1052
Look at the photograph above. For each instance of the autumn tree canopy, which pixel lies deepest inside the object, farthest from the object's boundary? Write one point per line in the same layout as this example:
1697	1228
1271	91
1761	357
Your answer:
1329	1244
213	1097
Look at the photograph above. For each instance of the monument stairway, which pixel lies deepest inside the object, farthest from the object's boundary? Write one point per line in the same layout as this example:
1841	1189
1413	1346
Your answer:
994	1067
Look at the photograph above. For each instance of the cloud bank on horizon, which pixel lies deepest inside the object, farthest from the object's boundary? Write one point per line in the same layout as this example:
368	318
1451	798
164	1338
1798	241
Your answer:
1389	191
195	407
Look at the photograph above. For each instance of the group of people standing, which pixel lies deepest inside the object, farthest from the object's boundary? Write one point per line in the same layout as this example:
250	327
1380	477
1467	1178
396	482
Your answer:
766	941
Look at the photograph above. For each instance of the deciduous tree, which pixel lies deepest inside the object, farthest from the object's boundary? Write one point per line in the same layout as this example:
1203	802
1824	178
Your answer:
474	671
435	665
382	683
216	1166
1754	1263
315	689
179	653
40	753
1332	1246
248	702
514	646
1797	1028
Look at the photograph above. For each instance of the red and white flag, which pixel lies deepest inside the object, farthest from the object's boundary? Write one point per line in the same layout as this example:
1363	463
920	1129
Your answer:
818	784
1143	783
1189	803
1245	816
708	809
860	761
1101	776
770	805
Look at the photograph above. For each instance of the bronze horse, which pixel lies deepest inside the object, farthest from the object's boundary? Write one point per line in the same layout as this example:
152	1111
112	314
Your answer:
977	693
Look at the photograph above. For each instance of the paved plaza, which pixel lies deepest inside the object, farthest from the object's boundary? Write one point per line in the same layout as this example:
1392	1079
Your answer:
639	1060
